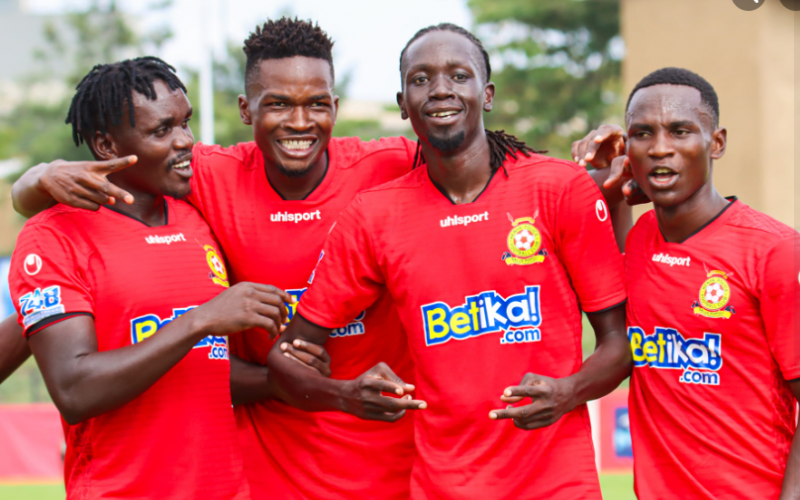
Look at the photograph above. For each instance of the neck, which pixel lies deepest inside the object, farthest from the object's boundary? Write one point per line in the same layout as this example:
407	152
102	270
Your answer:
680	221
296	188
461	174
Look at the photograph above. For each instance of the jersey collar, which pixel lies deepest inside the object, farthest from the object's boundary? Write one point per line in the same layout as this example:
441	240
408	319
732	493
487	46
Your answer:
710	226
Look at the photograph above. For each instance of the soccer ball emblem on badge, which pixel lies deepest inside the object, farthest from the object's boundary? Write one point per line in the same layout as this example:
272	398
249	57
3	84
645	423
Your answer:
715	293
219	274
524	242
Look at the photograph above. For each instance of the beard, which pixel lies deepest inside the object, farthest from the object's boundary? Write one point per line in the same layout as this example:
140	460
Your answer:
294	173
447	144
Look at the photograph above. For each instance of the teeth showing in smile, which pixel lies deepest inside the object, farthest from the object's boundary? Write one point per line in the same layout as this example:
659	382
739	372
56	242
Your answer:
662	171
298	145
182	165
444	114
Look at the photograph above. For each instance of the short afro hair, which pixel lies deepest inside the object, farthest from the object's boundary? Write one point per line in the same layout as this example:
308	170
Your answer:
452	28
285	38
681	76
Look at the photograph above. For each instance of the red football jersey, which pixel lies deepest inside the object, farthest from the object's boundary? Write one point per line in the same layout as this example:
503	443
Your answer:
713	333
178	439
487	292
288	453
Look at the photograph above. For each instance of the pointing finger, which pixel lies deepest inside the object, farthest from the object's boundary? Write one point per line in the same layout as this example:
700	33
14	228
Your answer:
116	164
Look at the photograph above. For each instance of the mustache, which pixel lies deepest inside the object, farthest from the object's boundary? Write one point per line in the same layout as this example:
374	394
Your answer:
179	159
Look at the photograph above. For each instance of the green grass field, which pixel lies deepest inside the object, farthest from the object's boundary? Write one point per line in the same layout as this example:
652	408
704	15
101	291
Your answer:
615	487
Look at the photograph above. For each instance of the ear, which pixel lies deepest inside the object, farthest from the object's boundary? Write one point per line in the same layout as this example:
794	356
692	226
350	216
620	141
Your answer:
244	110
103	146
400	101
488	96
719	141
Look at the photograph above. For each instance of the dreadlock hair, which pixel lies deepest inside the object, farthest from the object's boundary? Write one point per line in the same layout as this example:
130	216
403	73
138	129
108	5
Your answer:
500	143
681	76
102	95
284	38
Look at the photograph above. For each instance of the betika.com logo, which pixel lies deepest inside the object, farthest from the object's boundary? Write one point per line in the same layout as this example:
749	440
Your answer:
487	312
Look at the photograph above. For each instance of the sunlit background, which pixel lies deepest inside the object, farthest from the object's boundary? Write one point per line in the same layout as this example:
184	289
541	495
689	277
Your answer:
562	67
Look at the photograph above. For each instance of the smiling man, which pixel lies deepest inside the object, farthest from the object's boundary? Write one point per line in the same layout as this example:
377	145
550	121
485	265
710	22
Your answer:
486	303
717	355
127	309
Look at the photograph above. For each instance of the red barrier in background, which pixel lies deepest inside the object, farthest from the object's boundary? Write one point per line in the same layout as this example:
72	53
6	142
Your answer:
614	447
31	438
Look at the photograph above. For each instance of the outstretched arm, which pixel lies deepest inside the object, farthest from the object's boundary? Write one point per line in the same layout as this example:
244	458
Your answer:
308	390
80	184
791	477
13	347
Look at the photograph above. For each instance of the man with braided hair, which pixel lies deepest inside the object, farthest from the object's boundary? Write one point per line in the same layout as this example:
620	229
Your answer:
271	202
127	309
484	248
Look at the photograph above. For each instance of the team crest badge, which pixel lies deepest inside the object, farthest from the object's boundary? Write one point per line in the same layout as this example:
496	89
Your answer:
715	293
219	274
524	242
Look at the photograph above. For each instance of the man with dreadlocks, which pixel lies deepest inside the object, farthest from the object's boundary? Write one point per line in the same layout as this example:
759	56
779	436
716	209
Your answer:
126	309
271	202
490	275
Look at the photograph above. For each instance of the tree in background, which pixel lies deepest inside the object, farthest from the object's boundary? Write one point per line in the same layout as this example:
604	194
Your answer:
556	64
34	131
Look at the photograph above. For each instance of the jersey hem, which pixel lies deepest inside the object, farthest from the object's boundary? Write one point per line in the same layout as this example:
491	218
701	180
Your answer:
605	309
607	304
52	320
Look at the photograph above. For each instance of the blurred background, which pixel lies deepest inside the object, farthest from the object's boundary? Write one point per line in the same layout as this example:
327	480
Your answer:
562	67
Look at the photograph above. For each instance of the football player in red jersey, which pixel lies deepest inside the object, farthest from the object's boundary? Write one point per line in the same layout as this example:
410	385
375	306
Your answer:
483	248
717	355
271	202
126	309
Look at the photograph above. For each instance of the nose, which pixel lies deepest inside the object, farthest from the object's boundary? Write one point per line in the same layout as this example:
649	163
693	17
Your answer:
298	120
662	145
442	88
184	138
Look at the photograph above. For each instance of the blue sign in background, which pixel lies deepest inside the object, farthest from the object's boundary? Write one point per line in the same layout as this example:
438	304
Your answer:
622	433
6	306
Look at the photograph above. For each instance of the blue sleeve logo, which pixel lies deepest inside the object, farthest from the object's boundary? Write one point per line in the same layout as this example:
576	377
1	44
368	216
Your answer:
40	304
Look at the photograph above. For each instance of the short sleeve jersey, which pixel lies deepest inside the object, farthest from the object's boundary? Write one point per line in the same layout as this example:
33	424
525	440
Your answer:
178	439
487	292
713	330
288	453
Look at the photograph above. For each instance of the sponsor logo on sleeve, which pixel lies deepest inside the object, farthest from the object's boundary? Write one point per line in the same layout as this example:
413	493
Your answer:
601	210
715	293
144	327
355	327
517	318
32	264
666	348
40	304
164	240
524	242
219	275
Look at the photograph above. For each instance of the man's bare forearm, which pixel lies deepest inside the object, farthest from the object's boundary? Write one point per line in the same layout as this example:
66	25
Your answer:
249	382
14	348
611	362
28	198
297	385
